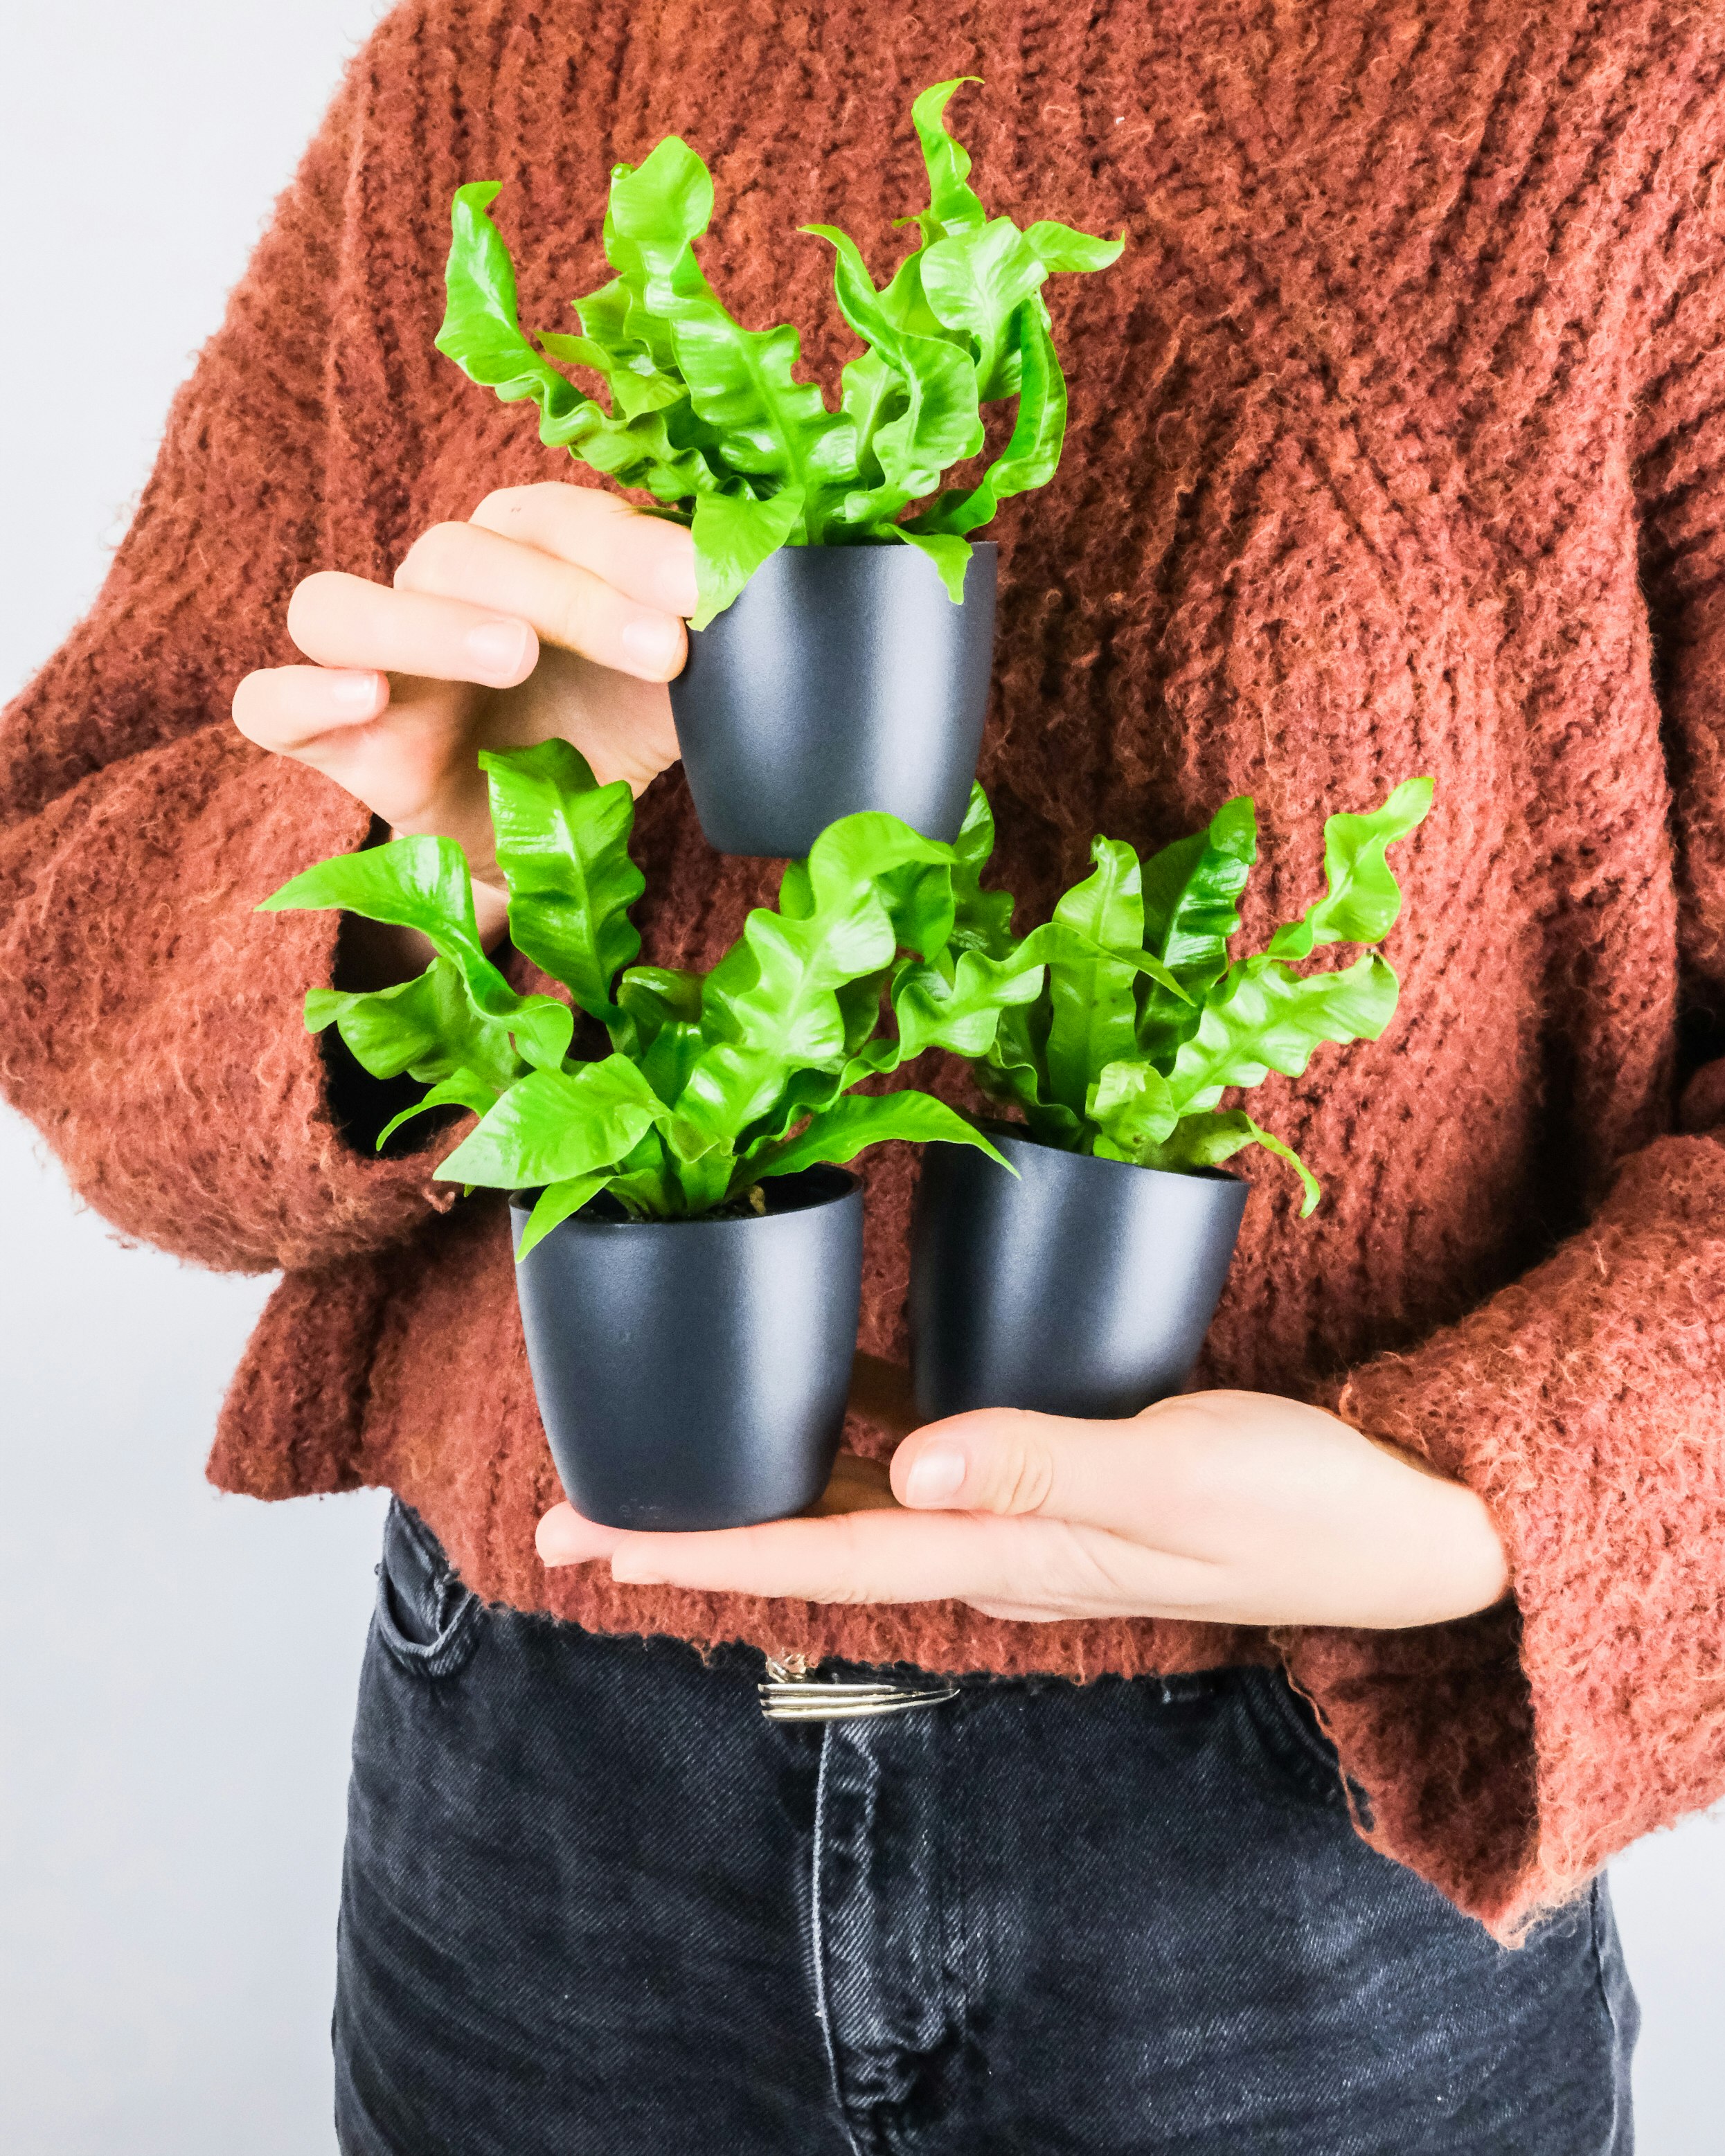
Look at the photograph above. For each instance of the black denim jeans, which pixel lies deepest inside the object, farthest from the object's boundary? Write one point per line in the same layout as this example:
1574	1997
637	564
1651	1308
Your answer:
594	1902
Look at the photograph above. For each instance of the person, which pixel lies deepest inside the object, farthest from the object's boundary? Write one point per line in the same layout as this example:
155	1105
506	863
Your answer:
1290	1723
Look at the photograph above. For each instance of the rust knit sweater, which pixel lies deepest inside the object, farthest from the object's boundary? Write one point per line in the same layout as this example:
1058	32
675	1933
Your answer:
1396	445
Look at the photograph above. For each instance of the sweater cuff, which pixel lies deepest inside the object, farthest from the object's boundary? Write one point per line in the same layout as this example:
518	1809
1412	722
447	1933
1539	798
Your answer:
325	1110
1507	1757
153	1020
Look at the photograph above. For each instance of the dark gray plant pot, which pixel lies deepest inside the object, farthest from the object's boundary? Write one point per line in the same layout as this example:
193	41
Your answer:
1085	1288
693	1374
840	678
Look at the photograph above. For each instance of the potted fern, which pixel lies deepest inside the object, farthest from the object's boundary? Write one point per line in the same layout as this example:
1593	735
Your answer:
689	1248
844	636
1084	1282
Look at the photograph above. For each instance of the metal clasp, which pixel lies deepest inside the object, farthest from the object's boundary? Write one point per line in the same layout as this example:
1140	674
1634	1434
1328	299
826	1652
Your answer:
791	1694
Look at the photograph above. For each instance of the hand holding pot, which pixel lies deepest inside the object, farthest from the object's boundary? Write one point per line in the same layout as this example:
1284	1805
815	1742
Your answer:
555	610
1231	1508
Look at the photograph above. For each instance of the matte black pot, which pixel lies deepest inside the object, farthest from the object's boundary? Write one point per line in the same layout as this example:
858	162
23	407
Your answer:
840	678
1085	1288
693	1374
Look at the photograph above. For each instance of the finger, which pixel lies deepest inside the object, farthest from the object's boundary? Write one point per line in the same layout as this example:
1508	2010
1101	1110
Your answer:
1032	1565
1008	1460
286	708
838	1558
646	558
339	620
856	1557
567	1536
569	605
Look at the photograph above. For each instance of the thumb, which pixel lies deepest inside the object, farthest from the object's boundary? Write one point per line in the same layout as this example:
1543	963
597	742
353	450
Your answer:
1009	1461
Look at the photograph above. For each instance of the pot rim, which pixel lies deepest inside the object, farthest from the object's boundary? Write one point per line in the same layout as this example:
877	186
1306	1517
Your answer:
845	1185
997	1127
862	546
988	551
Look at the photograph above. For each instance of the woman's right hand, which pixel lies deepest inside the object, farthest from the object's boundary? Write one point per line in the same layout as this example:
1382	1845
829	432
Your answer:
555	610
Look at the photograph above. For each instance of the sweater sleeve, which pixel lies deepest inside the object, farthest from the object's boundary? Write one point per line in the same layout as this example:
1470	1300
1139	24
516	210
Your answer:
149	1021
1509	1757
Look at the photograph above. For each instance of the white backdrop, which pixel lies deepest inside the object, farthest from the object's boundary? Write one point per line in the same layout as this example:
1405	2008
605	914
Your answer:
178	1669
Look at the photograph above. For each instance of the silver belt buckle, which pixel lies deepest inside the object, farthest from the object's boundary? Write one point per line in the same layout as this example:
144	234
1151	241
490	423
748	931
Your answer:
791	1694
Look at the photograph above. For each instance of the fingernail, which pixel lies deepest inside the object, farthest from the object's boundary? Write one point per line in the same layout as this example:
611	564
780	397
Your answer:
353	695
500	650
934	1477
651	645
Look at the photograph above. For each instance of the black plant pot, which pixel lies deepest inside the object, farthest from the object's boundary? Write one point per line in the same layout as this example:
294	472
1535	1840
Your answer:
693	1374
1085	1288
840	678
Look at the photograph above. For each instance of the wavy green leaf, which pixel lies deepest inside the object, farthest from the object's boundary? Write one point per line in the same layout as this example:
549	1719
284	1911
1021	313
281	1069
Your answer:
654	996
553	1126
840	1133
952	203
1192	894
1014	1071
977	281
563	843
638	388
481	328
961	1014
465	1089
420	883
1206	1141
1361	899
647	1185
1093	992
1132	1107
733	536
770	1010
936	420
769	425
919	901
554	1205
949	554
481	332
982	919
461	1011
770	1006
661	1031
1058	248
1264	1018
1033	454
415	1028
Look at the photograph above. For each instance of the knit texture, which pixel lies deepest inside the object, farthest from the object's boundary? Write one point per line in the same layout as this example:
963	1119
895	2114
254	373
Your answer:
1396	446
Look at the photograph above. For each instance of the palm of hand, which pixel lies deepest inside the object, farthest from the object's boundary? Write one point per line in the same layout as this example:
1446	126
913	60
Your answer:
416	769
1237	1508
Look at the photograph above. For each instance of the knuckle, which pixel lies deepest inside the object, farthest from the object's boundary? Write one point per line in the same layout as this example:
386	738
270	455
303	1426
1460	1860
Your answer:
580	609
542	499
433	555
851	1579
848	1595
502	504
1021	1476
1082	1566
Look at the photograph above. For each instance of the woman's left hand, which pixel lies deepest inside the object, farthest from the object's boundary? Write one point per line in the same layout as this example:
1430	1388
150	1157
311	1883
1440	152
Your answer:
1231	1508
